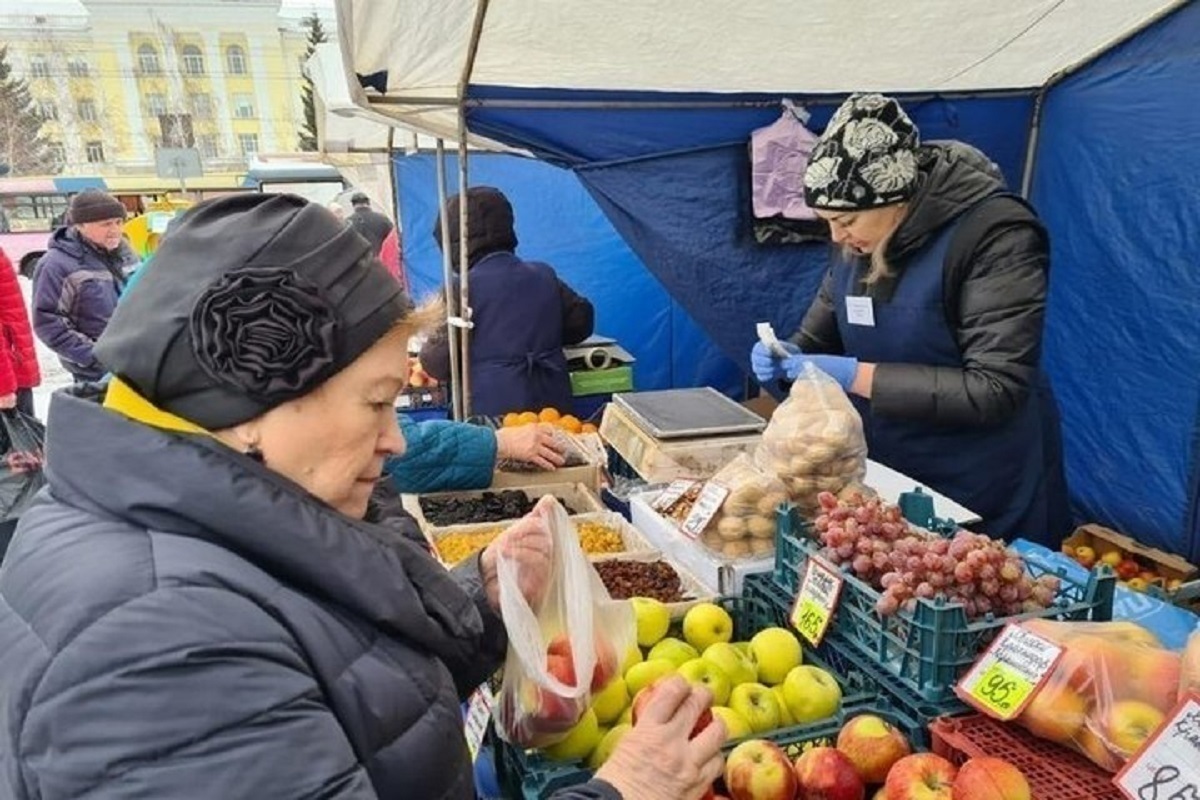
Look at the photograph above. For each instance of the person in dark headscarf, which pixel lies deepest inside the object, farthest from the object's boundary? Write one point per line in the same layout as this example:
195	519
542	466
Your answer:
523	315
201	605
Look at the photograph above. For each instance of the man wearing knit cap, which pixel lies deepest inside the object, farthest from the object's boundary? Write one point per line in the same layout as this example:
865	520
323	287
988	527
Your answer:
79	279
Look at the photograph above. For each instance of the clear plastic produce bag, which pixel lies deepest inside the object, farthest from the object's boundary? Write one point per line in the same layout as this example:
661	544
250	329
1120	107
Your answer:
745	525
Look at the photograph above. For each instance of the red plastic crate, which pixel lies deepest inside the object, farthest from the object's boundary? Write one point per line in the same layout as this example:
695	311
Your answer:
1053	771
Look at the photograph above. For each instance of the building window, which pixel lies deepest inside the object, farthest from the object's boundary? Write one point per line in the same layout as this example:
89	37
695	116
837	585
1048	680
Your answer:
95	152
77	68
148	60
38	68
208	147
235	60
87	110
58	153
248	143
156	105
202	107
193	60
46	109
243	106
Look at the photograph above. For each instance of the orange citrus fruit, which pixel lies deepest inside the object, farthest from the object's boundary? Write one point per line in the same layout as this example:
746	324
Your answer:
588	427
549	415
512	419
570	424
527	418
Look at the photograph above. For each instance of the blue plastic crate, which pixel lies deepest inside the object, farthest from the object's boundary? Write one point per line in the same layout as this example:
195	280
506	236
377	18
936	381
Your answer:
928	649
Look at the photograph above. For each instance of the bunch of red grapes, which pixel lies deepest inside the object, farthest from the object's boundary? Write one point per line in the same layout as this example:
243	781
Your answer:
873	540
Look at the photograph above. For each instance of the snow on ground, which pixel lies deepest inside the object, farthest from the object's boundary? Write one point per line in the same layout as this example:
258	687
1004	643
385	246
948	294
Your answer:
54	377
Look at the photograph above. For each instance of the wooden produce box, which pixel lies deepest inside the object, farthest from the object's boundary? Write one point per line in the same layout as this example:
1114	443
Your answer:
660	461
579	497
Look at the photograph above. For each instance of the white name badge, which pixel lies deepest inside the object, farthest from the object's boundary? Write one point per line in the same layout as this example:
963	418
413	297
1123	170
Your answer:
860	311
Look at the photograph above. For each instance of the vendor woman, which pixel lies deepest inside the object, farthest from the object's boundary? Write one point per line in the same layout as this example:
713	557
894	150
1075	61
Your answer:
932	318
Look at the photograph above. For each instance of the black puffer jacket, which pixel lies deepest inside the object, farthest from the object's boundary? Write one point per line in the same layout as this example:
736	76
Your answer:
994	299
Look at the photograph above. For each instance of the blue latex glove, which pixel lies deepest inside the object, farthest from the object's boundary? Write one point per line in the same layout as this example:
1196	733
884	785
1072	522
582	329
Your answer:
766	365
842	369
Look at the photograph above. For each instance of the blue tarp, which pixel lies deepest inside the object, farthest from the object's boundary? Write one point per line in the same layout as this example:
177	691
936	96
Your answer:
559	223
1117	180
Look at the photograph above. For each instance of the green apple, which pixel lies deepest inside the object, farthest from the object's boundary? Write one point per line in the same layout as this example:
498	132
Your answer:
703	672
811	693
706	624
610	701
579	742
607	744
673	649
786	720
743	646
736	726
653	620
757	704
732	662
642	675
626	717
634	656
776	651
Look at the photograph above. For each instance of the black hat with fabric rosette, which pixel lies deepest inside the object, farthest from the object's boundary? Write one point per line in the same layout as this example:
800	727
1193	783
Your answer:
253	300
866	158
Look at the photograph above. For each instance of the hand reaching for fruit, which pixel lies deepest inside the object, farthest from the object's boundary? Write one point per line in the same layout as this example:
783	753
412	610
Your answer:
656	760
528	543
535	444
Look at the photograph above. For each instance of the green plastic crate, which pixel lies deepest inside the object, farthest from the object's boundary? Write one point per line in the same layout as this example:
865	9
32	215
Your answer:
602	381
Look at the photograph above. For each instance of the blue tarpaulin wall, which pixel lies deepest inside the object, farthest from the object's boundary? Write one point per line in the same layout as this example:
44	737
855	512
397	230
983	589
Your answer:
559	223
1117	179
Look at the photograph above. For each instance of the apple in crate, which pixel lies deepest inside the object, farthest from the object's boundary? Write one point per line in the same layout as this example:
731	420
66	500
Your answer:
811	693
758	704
706	624
873	745
990	779
759	770
922	776
826	773
702	672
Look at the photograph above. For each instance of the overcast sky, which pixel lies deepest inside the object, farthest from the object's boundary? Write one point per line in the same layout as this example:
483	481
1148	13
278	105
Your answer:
301	8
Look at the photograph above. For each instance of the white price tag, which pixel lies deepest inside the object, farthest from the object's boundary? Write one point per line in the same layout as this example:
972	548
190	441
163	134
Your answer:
479	713
860	311
817	600
1168	765
670	495
705	508
1009	673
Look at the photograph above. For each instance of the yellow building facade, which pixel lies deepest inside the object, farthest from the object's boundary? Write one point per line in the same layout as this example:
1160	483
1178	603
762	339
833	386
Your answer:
116	80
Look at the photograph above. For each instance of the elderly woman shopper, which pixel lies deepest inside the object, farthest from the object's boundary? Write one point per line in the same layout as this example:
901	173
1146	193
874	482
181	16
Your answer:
201	606
932	321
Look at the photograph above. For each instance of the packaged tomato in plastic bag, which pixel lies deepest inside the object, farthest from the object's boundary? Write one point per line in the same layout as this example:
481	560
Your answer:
814	442
1113	687
561	652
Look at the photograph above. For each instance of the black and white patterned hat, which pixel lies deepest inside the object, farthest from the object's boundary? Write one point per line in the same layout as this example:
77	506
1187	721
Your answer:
866	157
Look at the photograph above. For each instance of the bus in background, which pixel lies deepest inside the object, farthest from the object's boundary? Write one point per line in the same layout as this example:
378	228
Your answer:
30	210
308	177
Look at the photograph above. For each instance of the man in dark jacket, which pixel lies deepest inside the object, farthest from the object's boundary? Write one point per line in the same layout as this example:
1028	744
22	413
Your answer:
933	323
523	315
78	281
370	224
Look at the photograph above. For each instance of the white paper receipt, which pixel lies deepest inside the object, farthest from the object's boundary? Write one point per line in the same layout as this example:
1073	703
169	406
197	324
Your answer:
766	335
860	311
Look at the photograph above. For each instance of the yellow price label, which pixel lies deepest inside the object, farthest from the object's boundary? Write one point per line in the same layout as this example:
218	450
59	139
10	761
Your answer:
811	619
1002	689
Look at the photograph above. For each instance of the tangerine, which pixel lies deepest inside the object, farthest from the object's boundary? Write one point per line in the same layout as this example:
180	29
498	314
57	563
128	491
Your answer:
512	419
588	427
570	423
549	415
527	418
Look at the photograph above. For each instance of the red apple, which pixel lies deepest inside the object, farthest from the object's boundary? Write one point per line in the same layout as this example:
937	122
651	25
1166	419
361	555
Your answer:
562	668
643	697
825	773
760	770
1128	569
608	666
990	779
922	776
873	745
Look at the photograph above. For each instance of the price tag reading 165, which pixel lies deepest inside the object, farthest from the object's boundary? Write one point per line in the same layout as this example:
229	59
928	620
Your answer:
816	600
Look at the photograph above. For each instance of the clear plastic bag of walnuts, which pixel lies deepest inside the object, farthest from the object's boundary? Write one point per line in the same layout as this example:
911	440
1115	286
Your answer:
814	442
744	527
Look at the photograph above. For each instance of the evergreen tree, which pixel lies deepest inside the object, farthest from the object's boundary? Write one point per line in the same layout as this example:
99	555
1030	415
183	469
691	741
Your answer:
316	36
23	148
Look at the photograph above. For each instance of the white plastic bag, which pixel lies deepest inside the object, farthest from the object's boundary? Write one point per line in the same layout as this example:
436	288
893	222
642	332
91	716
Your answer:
578	630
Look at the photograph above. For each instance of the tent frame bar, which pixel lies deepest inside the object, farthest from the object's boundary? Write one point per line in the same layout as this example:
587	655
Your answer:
452	330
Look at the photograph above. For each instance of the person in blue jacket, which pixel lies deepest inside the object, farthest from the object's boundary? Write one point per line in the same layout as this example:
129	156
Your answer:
932	320
522	312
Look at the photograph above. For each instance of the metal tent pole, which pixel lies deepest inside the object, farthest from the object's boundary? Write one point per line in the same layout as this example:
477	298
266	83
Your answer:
456	406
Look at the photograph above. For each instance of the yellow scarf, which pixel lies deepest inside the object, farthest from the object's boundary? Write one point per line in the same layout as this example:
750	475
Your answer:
124	399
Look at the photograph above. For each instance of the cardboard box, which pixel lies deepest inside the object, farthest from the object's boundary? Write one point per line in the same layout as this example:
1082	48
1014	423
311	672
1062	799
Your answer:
635	545
579	497
1105	540
697	592
588	474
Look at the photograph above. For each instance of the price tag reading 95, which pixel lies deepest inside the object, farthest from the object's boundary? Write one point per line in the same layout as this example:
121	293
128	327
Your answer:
817	600
1167	767
705	508
1005	678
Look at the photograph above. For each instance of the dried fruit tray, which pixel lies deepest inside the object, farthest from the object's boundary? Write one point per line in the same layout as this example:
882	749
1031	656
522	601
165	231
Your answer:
579	497
926	650
528	774
1053	771
631	538
694	591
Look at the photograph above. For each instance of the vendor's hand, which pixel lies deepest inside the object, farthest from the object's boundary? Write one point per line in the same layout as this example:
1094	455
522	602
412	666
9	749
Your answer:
8	400
766	365
655	760
535	444
527	543
842	369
